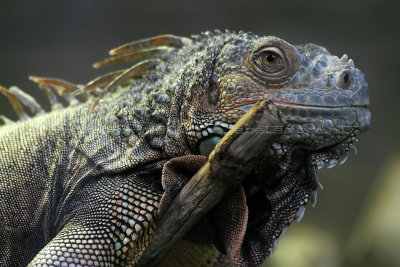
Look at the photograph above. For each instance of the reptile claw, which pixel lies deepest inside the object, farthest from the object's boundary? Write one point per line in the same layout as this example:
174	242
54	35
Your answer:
320	185
332	163
314	198
300	213
353	148
284	229
275	245
345	156
314	174
320	164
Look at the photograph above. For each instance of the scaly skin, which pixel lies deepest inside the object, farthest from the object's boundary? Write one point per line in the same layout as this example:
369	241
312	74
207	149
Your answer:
82	185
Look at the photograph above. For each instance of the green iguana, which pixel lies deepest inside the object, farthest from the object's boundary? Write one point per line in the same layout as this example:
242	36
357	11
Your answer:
81	185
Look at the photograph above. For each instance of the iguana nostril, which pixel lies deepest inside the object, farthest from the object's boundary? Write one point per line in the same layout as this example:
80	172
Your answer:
344	79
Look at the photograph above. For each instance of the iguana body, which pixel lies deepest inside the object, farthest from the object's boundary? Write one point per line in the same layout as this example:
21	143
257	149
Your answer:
82	185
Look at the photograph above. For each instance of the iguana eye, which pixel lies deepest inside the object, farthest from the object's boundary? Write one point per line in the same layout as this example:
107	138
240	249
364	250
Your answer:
270	59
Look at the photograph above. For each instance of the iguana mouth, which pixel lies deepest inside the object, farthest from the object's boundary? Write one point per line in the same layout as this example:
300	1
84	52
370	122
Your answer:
292	104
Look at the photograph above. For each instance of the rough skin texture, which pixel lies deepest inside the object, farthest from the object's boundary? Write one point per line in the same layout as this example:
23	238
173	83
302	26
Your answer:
82	184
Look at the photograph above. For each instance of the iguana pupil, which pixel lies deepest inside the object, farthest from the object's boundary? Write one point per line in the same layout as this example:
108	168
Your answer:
271	59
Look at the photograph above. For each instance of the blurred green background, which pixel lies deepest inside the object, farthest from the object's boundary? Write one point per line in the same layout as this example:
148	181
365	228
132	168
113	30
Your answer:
356	221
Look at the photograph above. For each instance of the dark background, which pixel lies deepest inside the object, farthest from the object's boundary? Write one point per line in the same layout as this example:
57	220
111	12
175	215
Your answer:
354	223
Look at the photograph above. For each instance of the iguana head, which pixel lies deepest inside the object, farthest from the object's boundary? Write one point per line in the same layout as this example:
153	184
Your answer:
324	99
